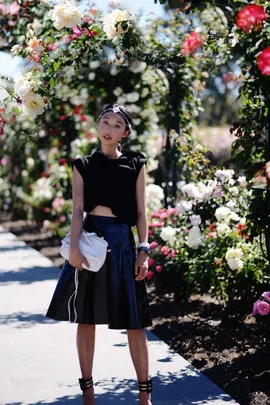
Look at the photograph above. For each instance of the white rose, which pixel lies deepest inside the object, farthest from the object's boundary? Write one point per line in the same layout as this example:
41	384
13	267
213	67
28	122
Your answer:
194	237
234	254
154	191
117	91
145	92
235	264
195	220
222	213
224	174
242	181
233	217
110	20
223	229
37	27
191	190
180	184
137	67
94	64
65	14
22	86
91	76
231	204
167	234
234	191
184	206
15	50
132	97
34	104
30	162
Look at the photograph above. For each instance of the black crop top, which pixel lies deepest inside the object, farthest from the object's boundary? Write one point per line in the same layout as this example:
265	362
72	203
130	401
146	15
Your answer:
111	182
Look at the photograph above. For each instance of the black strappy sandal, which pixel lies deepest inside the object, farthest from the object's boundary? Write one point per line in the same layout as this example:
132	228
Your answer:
146	387
86	383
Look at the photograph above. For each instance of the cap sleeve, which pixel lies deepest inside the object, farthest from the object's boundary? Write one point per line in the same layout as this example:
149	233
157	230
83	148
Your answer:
80	163
141	160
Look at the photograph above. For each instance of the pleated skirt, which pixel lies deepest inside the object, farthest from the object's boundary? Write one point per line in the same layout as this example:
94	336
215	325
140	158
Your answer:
110	296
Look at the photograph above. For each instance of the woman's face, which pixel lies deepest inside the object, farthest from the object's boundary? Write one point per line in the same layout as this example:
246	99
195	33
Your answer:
111	129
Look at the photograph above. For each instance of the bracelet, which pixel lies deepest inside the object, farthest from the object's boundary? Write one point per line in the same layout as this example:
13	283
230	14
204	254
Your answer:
144	248
144	244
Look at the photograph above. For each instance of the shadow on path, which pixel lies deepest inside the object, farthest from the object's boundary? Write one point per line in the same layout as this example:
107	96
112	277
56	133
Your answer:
166	391
30	275
24	319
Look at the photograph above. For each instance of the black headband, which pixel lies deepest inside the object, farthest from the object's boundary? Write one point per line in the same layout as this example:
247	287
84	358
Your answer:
116	110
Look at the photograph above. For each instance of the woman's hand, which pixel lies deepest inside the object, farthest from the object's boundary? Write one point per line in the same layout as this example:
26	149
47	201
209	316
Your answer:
141	266
76	259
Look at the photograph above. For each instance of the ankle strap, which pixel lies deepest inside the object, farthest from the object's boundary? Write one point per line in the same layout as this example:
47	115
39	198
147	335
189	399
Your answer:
145	386
86	383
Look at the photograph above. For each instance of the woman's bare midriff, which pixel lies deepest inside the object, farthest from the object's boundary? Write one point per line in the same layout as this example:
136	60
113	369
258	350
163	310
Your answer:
102	210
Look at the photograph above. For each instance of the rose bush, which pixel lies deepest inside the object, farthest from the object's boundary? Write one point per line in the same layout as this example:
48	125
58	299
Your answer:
206	242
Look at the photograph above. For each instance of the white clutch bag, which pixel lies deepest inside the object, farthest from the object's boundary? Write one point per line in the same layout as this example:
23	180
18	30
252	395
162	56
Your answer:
93	247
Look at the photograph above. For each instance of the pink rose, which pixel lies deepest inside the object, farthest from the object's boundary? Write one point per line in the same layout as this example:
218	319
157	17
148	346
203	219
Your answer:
263	61
165	250
58	203
159	268
261	307
251	17
62	218
164	215
191	43
172	211
172	253
151	261
155	215
150	275
14	8
153	244
266	295
212	234
150	232
5	160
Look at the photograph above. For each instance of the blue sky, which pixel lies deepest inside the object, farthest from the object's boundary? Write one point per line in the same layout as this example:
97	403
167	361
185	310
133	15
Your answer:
9	65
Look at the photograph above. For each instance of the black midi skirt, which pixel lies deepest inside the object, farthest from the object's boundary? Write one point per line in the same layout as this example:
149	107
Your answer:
110	296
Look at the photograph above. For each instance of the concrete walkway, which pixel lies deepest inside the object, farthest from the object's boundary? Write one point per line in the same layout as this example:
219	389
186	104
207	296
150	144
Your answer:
38	359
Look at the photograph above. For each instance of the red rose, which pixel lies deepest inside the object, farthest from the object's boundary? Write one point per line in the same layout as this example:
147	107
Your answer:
263	61
62	161
159	268
191	43
251	17
150	274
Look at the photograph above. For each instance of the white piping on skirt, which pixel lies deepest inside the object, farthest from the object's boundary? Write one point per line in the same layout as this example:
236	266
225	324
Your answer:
76	281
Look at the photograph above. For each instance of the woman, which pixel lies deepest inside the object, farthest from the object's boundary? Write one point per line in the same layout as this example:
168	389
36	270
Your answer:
110	186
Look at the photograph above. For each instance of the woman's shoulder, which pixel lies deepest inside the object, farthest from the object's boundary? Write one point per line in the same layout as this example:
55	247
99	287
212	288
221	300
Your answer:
82	162
135	154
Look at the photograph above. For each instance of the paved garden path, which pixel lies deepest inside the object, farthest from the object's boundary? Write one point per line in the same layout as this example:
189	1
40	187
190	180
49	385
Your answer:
38	359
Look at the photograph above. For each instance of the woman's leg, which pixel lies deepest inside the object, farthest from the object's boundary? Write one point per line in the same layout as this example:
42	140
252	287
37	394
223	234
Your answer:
138	347
86	348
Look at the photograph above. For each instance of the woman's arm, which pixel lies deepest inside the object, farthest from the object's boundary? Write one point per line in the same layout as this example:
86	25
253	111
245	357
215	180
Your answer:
141	263
76	258
142	224
77	209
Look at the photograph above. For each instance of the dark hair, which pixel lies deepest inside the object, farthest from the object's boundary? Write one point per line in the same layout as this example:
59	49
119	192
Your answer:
127	114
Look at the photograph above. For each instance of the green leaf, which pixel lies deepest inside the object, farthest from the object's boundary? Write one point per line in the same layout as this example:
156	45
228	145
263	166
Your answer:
56	65
52	82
